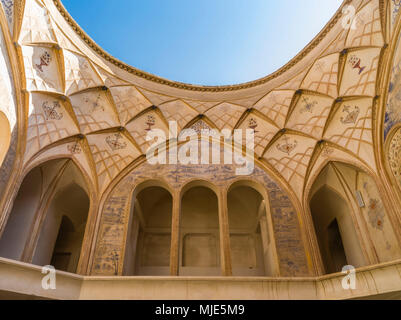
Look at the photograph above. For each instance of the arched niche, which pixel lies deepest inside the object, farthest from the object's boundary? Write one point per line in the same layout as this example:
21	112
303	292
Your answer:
149	235
350	221
199	231
338	241
5	136
111	249
253	251
48	220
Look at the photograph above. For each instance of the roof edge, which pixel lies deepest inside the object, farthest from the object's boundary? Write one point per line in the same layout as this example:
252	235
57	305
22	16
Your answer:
180	85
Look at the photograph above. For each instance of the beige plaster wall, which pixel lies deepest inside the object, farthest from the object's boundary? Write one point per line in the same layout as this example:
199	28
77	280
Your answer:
15	235
379	281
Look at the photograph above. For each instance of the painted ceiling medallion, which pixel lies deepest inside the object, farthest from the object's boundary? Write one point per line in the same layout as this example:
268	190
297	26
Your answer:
308	105
350	116
150	122
355	62
288	146
114	142
199	126
51	110
74	148
96	106
45	60
253	124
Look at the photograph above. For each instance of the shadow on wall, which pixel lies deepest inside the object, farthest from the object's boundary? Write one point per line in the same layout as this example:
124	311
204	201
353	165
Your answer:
5	136
48	219
148	245
350	220
8	152
149	237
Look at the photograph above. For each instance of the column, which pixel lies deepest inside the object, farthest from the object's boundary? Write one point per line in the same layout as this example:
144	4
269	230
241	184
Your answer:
225	250
175	235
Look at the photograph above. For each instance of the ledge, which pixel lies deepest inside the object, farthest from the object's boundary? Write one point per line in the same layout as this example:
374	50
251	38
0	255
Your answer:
23	281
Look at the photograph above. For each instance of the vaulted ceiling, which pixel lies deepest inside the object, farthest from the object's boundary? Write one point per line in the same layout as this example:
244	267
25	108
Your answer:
87	105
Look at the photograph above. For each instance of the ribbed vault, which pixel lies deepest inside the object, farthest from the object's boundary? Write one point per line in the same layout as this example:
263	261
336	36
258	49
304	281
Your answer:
85	104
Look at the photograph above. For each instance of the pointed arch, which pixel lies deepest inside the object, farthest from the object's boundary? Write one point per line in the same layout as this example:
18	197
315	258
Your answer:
34	231
344	201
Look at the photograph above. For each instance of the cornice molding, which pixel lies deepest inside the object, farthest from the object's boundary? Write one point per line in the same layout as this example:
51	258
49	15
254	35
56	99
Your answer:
178	85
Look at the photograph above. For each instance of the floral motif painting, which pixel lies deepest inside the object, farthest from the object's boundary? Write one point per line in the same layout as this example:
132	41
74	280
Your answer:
393	110
394	156
8	6
396	9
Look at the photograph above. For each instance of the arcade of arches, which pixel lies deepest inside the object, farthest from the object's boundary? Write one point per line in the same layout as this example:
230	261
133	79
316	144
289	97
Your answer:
76	191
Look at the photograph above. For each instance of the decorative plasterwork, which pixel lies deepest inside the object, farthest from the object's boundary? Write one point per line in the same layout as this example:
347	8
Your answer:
94	111
359	76
178	111
394	156
275	105
112	152
351	128
323	76
225	115
264	131
367	31
393	111
178	85
8	6
79	74
36	25
41	69
310	114
49	121
290	156
129	102
140	126
305	102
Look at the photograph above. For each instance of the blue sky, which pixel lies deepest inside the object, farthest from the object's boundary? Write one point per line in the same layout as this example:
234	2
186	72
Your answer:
207	42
